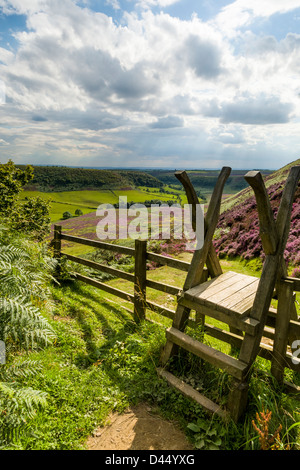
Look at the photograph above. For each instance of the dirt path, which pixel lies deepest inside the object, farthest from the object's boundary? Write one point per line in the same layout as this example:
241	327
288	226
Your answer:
139	428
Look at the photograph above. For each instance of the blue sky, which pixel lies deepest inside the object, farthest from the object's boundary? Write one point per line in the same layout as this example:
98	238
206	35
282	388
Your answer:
150	83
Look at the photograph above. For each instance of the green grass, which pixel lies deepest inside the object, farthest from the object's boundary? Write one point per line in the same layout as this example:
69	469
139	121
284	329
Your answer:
88	201
102	362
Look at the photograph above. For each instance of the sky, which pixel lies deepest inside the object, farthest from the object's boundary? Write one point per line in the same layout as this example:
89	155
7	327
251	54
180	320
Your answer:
150	83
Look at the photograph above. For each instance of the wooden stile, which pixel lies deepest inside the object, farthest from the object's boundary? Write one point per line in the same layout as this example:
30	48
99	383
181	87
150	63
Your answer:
243	302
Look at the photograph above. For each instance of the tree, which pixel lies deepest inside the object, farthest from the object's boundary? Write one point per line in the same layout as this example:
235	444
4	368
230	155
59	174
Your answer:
31	215
12	180
78	212
67	215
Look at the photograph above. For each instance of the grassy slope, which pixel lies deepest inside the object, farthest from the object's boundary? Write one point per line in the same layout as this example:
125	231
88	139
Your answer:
238	227
88	201
275	177
103	362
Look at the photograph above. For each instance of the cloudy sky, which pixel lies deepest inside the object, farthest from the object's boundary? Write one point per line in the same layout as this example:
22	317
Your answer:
150	83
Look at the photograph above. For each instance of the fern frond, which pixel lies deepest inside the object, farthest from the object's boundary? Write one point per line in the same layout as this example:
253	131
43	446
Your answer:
24	323
17	405
27	368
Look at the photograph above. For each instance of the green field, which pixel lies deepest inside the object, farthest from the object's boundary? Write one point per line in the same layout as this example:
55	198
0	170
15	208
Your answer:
88	201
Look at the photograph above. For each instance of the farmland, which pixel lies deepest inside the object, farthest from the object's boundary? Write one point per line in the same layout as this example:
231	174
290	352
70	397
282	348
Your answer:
89	200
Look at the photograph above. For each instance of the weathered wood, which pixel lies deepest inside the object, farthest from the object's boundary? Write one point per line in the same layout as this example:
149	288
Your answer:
243	295
105	287
247	324
231	365
271	266
163	287
160	309
211	219
179	321
100	267
57	241
196	291
295	280
237	400
189	392
140	280
171	262
124	250
285	300
212	261
225	294
267	226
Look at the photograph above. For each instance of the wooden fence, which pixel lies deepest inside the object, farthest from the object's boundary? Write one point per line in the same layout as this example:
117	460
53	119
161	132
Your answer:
139	297
139	278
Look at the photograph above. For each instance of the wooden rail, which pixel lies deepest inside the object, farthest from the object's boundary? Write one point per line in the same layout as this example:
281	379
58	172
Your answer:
138	278
139	299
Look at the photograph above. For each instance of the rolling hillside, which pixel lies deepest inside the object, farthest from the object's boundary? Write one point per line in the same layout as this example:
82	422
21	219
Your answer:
61	178
238	227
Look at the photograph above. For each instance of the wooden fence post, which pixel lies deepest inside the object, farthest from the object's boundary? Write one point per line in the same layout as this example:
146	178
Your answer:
284	308
140	280
57	241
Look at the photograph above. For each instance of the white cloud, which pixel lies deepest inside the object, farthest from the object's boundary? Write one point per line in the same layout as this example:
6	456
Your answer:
156	3
243	12
148	88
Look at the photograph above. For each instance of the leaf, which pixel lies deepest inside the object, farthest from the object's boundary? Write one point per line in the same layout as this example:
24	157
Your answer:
200	444
213	447
193	427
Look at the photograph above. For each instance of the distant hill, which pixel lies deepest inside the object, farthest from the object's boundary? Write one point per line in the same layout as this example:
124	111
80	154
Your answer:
238	228
205	180
62	178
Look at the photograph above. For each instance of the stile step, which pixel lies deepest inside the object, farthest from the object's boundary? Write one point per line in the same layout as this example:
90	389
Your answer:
231	365
190	392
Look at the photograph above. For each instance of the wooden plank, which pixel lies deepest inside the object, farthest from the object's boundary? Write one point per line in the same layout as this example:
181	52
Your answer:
215	289
285	299
228	289
218	359
211	219
164	311
57	241
163	287
243	294
244	306
212	262
271	268
286	203
295	280
105	287
189	392
197	290
267	226
171	262
100	267
247	324
140	280
98	244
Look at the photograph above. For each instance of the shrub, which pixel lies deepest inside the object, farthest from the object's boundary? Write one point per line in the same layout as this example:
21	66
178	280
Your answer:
67	215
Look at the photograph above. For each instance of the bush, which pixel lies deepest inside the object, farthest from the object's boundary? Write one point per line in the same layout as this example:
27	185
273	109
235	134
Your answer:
67	215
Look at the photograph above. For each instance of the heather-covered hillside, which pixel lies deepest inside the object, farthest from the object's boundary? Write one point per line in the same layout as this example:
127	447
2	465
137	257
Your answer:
238	227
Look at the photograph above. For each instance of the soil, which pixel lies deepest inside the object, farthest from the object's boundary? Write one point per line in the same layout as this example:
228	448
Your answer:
139	428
